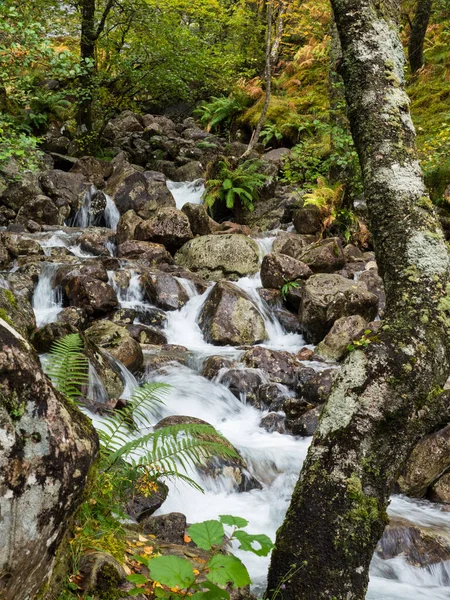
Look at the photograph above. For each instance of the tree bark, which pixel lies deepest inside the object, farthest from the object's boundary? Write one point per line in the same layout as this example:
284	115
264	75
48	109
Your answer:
388	395
418	31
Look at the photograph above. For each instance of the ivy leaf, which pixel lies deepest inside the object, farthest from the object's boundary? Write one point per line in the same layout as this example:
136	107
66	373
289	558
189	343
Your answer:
233	521
171	571
214	592
227	569
207	534
247	540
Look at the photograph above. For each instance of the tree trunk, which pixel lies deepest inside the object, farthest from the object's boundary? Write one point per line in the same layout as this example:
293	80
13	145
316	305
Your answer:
388	395
418	32
88	41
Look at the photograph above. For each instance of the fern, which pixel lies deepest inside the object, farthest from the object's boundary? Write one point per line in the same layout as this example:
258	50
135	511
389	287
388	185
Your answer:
219	111
67	366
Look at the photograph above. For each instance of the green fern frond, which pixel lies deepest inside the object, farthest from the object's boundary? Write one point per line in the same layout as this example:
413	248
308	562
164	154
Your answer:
67	366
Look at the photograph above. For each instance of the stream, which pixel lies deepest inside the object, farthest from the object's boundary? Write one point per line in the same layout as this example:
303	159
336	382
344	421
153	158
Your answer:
272	458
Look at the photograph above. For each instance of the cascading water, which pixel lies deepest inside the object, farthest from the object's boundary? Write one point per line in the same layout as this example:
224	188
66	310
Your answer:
186	191
273	459
47	298
84	216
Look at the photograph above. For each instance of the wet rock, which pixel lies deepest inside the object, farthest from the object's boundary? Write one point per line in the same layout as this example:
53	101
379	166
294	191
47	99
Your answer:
65	189
191	171
229	317
271	297
316	389
168	528
429	459
216	257
96	297
273	395
305	425
325	298
163	290
169	227
289	321
344	331
292	244
41	210
308	220
73	316
213	365
17	246
88	268
146	253
94	242
199	220
420	546
93	169
127	226
105	369
294	408
17	312
279	269
141	507
440	491
305	354
100	573
273	422
118	342
21	285
325	256
244	384
44	338
280	367
374	284
145	334
162	356
123	316
148	315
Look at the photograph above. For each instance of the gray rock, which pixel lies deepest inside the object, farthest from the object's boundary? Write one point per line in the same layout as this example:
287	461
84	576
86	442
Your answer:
308	220
164	290
344	331
325	256
279	269
118	342
169	227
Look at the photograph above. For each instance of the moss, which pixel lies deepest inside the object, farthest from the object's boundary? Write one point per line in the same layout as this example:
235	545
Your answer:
5	317
10	297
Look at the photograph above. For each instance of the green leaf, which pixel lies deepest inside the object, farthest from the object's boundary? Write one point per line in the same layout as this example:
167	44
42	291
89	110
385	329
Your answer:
171	571
247	540
226	569
137	578
233	521
207	534
135	592
214	592
227	184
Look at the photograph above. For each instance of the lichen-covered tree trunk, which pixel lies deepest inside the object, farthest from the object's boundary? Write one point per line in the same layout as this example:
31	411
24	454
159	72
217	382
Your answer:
46	450
418	31
388	395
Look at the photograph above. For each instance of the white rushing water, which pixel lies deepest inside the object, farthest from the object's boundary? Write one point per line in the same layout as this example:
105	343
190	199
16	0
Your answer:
186	191
273	459
84	217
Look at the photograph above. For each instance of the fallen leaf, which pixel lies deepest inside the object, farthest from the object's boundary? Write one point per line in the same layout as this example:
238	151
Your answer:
187	539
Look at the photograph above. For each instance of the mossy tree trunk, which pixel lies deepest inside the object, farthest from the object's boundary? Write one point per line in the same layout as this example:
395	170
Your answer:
388	395
418	31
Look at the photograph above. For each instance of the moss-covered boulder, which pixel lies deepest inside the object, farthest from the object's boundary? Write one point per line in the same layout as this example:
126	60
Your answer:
344	331
279	269
17	312
118	342
324	256
229	317
169	226
216	257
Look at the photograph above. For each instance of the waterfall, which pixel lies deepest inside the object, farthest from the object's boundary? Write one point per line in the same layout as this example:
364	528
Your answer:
84	217
186	191
47	299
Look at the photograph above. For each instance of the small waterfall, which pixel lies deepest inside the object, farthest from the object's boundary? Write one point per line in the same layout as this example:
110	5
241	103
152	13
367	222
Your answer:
96	392
265	245
187	191
133	296
47	299
109	217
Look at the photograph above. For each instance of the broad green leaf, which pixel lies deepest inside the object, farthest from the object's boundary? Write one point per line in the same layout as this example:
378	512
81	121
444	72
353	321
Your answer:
207	534
247	540
233	521
227	184
137	578
171	571
227	569
214	592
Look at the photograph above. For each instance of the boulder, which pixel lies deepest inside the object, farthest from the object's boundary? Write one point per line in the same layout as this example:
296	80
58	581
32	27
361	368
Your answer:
164	290
74	316
44	338
220	256
291	244
48	449
95	241
279	269
96	297
426	463
169	227
93	169
119	127
229	317
21	284
168	528
374	284
17	312
142	506
65	189
273	395
100	573
279	366
305	425
440	490
199	220
149	315
325	298
308	220
15	189
88	268
214	364
42	210
127	226
191	171
145	253
273	422
105	368
317	387
145	334
325	256
344	331
118	342
244	384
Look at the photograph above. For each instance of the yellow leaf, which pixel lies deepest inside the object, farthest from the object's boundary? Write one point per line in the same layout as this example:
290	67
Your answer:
142	538
187	539
148	549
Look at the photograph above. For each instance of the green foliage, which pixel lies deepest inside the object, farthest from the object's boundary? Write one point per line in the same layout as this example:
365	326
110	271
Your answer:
363	342
68	366
235	183
177	577
220	113
287	287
